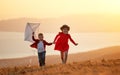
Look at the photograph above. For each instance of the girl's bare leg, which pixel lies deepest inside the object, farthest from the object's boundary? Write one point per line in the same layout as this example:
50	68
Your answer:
62	56
65	56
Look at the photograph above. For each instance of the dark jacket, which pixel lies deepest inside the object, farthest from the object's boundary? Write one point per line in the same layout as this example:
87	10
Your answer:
34	45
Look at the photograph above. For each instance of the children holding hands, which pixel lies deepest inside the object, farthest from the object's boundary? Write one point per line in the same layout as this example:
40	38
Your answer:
60	41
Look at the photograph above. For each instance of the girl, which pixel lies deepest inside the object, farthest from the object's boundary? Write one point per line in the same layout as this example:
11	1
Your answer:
61	42
40	44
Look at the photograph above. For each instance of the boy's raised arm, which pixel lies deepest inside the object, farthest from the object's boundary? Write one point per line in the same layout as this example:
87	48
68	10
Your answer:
33	38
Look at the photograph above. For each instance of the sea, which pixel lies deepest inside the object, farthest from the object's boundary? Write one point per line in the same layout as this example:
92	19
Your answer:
12	44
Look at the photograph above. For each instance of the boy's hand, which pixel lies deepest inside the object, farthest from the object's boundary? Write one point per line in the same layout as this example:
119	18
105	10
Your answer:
33	33
53	42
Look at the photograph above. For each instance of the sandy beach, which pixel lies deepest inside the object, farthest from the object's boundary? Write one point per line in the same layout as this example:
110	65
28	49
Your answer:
105	61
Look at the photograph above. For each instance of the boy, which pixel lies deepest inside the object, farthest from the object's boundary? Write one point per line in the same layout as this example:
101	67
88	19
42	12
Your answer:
40	45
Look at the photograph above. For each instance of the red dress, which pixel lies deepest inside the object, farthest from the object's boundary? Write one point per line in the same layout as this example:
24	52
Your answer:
61	42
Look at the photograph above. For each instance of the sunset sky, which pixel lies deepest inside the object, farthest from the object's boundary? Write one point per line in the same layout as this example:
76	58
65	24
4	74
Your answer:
81	15
56	8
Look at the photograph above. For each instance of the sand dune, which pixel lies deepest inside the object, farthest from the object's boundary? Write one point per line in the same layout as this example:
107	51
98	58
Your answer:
104	61
106	53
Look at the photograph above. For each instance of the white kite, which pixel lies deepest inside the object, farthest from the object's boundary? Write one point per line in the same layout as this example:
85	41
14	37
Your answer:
30	28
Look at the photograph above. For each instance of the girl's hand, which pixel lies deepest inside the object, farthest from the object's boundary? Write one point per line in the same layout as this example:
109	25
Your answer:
76	44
